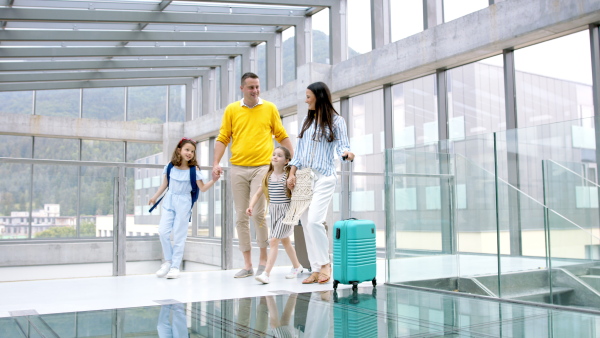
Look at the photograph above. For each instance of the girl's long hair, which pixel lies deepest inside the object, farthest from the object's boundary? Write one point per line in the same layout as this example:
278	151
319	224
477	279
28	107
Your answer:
323	114
176	157
286	170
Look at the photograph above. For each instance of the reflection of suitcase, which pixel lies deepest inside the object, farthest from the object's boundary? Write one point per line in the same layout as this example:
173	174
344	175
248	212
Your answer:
300	246
355	315
354	252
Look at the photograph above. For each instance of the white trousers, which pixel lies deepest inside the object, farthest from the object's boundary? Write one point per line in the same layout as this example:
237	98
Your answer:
315	235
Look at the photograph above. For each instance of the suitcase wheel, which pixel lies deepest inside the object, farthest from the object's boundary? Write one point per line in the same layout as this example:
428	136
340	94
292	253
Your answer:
374	282
354	286
335	284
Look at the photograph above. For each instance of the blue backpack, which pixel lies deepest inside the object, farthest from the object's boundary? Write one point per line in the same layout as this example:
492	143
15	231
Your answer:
195	189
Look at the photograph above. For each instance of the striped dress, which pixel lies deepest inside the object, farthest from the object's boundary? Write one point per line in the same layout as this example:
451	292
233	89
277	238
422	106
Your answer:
279	205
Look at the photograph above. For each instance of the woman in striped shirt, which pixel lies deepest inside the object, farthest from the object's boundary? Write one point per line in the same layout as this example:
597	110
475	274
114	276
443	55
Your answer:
323	135
278	198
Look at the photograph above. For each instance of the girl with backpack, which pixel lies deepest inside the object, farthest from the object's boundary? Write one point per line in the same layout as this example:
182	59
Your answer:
278	197
183	180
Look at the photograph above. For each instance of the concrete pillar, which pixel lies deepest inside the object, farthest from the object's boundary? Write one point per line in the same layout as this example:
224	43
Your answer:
433	13
271	64
205	95
224	86
338	32
512	153
380	23
304	42
196	109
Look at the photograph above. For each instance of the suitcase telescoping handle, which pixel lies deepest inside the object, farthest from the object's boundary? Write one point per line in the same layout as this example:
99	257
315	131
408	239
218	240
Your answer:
349	187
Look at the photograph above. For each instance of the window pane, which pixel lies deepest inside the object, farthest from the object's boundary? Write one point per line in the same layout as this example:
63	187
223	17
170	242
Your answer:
17	102
454	9
137	151
15	146
55	198
359	27
261	57
104	103
365	129
290	123
55	148
415	112
105	151
218	86
15	189
554	81
320	37
147	104
289	54
177	103
61	102
476	98
96	201
407	18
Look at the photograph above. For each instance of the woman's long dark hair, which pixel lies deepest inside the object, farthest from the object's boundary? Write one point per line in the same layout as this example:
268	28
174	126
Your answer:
322	115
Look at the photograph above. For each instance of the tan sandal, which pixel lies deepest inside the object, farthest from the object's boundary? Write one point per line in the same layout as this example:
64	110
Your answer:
313	278
324	277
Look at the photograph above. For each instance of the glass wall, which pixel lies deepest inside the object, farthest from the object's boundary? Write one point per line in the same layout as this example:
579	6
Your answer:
359	35
17	102
288	38
454	9
261	68
407	18
177	103
143	104
554	80
147	104
320	37
415	112
104	103
365	129
59	102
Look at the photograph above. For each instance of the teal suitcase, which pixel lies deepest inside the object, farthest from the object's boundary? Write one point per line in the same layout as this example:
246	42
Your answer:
354	252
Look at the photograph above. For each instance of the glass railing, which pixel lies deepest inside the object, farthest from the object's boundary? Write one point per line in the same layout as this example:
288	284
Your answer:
456	225
66	204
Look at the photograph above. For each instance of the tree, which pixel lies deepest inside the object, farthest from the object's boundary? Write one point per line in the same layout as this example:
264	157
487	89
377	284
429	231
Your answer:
87	229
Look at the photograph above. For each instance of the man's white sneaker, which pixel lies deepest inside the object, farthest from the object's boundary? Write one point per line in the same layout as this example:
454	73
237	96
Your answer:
263	278
173	273
164	269
294	272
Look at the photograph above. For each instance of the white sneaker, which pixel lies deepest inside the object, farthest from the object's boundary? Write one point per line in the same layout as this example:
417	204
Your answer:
294	272
263	278
173	273
164	269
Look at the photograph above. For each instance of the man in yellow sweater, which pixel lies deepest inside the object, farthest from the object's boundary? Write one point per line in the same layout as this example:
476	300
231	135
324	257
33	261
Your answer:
249	124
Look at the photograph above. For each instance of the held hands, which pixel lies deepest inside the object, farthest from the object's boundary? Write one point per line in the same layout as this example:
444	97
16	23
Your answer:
348	156
249	211
217	170
215	177
291	181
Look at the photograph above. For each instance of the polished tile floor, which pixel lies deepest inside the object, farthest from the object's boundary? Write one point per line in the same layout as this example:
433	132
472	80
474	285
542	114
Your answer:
214	304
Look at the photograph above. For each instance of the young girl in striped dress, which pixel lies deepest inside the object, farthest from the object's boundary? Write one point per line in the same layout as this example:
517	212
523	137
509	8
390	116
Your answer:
278	196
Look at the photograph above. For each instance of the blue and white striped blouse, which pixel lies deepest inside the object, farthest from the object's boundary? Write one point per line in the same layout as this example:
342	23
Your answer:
323	151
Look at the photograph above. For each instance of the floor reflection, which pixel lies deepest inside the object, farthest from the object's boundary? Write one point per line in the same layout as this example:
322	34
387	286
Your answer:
368	312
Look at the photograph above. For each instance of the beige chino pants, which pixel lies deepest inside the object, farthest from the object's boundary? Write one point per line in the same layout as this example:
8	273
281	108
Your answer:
245	181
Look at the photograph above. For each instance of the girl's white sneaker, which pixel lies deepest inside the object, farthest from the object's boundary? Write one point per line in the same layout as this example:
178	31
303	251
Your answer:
173	273
294	272
263	278
164	269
